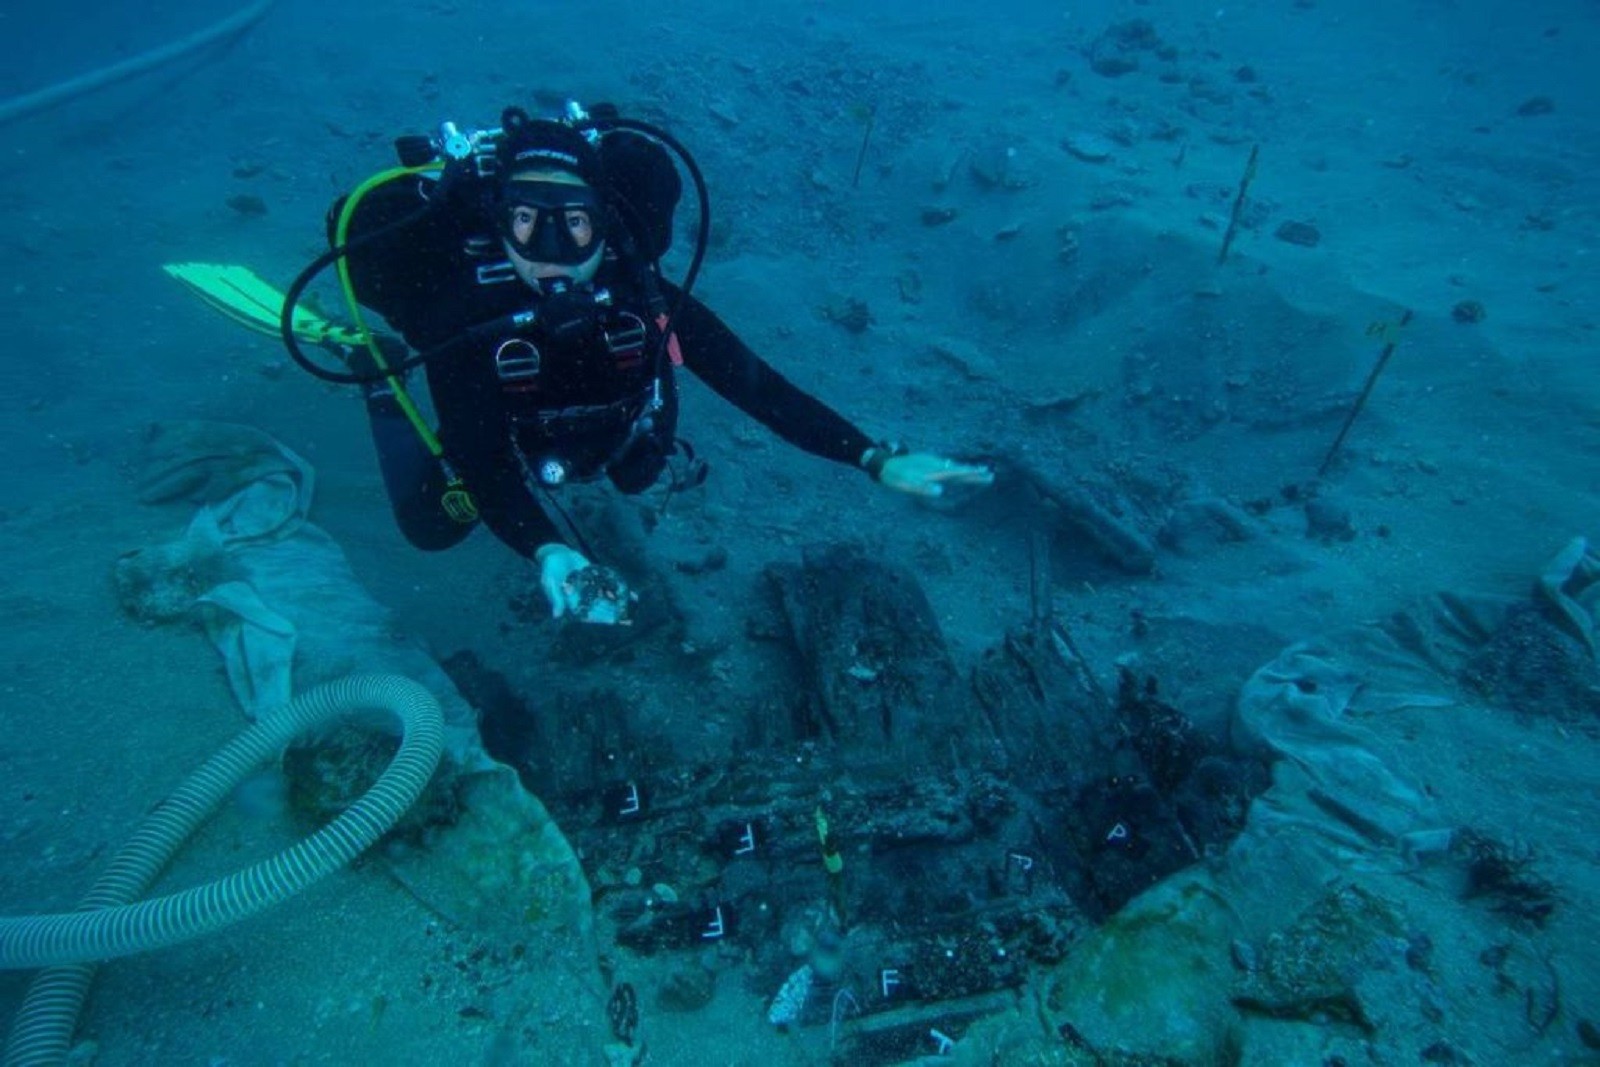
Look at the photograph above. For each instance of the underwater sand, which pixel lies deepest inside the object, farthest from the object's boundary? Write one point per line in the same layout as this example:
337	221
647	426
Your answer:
1394	130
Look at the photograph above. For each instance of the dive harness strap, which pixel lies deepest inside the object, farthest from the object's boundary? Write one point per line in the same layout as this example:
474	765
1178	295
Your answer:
457	500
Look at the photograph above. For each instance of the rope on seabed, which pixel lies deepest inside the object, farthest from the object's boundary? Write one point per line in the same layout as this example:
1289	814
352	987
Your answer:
41	99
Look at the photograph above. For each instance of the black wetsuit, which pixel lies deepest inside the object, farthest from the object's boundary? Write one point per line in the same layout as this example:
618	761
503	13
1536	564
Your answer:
510	401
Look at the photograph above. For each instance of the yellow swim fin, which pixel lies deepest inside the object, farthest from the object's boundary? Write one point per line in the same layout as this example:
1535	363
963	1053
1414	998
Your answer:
255	304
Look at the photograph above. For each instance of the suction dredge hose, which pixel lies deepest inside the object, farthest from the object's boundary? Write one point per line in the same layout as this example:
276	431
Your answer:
109	923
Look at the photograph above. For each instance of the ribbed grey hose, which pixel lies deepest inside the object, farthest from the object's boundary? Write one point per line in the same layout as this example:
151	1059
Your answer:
107	925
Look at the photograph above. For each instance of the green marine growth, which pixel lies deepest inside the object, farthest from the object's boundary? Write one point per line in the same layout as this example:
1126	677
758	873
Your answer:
326	773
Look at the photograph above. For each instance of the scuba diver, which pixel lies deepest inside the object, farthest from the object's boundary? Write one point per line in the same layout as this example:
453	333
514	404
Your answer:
521	266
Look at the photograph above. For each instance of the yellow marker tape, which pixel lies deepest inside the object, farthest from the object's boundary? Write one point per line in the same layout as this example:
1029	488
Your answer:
832	862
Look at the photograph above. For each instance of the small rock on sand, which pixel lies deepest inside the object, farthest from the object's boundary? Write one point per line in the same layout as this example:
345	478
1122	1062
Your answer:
1089	147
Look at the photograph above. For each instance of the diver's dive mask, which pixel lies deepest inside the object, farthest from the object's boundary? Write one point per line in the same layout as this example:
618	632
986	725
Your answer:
551	222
